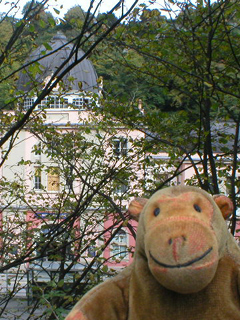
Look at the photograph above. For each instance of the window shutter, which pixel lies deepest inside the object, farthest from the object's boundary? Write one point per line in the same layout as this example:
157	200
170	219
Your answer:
53	180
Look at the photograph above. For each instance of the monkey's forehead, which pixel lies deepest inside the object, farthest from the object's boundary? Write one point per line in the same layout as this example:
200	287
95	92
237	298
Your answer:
188	203
184	197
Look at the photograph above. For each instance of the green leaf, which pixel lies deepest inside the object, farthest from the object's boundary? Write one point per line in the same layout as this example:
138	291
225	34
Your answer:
47	46
31	28
56	11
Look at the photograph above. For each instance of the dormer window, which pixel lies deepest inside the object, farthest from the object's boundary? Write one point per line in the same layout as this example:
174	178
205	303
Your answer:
80	102
54	102
28	102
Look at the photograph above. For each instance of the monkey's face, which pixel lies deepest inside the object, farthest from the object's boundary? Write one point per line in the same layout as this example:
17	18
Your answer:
180	243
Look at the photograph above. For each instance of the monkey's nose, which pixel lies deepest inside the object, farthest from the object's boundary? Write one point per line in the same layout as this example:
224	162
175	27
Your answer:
178	239
177	244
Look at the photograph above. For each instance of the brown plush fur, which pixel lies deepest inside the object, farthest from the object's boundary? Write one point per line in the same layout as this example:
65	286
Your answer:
186	264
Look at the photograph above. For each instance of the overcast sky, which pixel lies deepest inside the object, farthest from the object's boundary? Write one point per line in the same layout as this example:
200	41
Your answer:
66	4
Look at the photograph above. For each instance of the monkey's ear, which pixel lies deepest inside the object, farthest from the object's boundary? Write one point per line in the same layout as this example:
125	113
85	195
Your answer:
136	206
224	204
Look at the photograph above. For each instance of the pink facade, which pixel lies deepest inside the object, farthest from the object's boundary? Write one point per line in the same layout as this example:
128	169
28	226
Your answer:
237	233
120	251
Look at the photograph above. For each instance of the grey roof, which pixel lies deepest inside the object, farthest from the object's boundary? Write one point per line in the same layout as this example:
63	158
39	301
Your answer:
222	134
83	72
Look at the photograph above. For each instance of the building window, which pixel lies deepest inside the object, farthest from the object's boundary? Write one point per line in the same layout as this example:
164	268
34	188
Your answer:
91	251
122	187
69	178
45	102
120	146
58	248
10	245
37	179
53	180
54	102
119	245
163	178
52	146
80	102
227	188
28	102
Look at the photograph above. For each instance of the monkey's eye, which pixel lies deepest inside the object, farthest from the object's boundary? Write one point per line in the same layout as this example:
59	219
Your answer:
156	212
197	208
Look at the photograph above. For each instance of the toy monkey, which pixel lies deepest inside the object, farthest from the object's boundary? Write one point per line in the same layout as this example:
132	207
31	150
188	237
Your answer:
186	264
